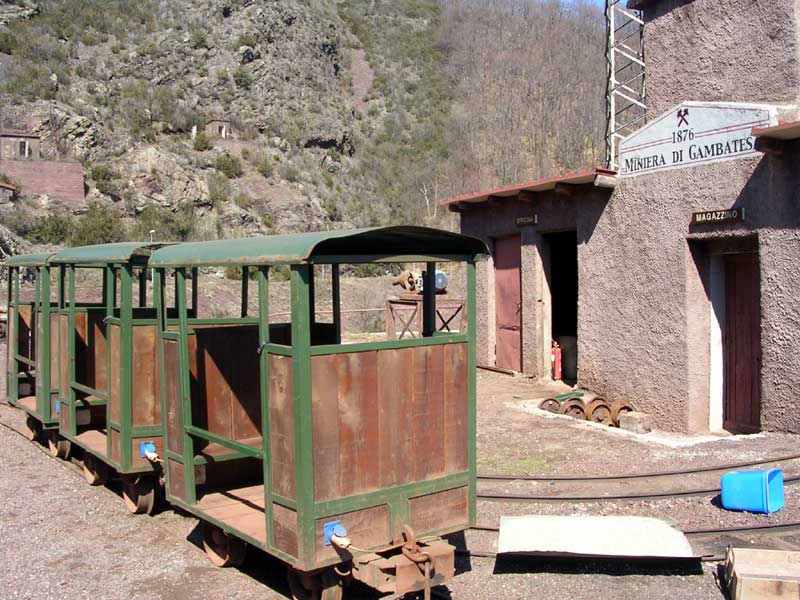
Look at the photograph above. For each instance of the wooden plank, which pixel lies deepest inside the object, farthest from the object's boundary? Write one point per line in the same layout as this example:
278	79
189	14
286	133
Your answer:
115	445
395	389
454	431
28	403
439	511
214	376
245	382
754	574
240	509
177	485
97	367
137	460
172	400
284	529
63	359
369	526
94	441
145	409
54	349
114	400
325	426
281	414
358	422
428	412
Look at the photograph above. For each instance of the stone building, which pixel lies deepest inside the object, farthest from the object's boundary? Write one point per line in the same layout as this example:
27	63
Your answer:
679	275
220	129
18	145
20	161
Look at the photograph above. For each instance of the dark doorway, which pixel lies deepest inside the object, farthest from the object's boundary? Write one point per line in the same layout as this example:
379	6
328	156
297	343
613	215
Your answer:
742	341
563	280
508	303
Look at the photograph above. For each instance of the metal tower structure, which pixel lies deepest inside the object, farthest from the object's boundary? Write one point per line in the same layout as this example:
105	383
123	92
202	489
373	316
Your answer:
625	87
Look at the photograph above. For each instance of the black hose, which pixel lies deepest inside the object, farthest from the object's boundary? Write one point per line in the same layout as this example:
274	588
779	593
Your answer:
638	475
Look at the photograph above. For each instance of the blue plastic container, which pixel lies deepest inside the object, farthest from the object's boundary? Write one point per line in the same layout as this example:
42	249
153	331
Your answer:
754	491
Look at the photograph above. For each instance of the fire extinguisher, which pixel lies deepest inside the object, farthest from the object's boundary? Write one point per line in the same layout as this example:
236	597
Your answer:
555	359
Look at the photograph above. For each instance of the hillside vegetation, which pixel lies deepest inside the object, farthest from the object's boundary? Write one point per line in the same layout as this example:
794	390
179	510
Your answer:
460	94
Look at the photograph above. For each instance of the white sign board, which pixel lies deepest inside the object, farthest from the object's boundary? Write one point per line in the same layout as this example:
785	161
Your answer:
694	133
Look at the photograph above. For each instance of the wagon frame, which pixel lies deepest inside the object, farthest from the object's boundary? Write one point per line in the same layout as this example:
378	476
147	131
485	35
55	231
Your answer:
293	525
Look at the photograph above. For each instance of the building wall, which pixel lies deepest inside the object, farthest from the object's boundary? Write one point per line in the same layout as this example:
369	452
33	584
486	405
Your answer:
63	180
556	212
646	319
721	51
9	148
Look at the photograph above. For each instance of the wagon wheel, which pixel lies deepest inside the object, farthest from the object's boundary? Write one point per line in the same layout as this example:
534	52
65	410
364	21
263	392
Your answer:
618	407
598	411
33	428
222	548
550	405
139	494
323	586
574	408
95	471
57	445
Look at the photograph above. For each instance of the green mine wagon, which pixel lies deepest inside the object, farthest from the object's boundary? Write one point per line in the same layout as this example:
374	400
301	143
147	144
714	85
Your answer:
344	460
108	369
32	368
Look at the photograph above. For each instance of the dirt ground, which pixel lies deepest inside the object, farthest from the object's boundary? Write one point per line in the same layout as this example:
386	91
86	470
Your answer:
64	539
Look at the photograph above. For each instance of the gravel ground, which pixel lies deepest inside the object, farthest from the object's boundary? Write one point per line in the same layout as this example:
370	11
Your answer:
64	539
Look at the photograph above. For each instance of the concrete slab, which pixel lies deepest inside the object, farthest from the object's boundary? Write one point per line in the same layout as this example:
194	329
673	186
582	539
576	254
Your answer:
592	536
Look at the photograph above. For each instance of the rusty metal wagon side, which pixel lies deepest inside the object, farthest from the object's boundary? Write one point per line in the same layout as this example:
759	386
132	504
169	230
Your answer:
330	456
109	378
32	369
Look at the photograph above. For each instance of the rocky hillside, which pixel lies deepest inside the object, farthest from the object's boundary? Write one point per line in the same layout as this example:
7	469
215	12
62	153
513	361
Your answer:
343	113
120	87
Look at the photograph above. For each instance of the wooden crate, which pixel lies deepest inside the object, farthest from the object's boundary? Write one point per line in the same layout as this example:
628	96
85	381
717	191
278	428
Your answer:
753	574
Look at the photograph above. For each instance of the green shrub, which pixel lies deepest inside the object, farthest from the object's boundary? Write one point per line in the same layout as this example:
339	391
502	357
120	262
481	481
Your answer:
168	225
106	180
245	39
242	200
228	165
100	225
242	78
53	229
290	173
202	142
245	154
198	38
202	72
218	189
264	166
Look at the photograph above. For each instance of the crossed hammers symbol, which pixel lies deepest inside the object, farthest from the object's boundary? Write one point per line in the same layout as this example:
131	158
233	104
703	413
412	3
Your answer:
682	114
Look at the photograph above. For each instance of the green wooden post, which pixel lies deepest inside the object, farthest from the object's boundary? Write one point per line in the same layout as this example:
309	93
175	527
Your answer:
12	385
471	391
312	304
263	364
429	301
43	348
161	326
337	315
301	382
71	366
186	389
125	364
195	274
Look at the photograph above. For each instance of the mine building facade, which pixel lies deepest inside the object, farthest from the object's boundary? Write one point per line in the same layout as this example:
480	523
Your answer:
685	261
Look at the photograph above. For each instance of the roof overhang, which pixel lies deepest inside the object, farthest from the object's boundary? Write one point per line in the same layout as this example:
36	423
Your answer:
377	244
7	186
786	131
30	260
597	177
107	254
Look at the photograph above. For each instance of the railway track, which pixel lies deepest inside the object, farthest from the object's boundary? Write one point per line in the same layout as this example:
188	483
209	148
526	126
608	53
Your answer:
644	475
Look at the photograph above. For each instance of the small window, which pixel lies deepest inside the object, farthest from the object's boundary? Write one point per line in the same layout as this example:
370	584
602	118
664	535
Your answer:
23	148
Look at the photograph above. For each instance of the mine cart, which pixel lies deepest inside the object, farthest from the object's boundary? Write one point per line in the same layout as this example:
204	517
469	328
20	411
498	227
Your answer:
109	377
32	368
344	460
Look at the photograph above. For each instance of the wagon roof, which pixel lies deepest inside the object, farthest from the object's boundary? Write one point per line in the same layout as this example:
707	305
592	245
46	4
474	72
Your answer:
346	245
29	260
120	252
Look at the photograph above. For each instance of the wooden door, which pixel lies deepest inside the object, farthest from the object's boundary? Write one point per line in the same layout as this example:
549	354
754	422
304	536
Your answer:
742	404
508	303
